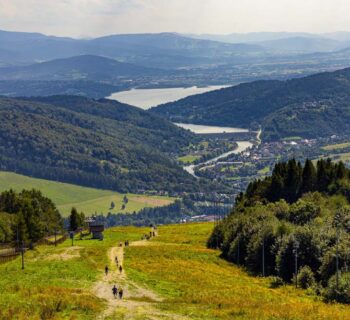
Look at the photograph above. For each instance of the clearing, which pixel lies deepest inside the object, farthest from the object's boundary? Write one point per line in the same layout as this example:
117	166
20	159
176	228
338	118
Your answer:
88	200
173	276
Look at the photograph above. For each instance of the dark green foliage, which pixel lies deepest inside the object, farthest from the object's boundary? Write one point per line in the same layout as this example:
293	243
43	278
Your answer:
306	278
342	294
28	216
101	144
291	180
315	225
313	106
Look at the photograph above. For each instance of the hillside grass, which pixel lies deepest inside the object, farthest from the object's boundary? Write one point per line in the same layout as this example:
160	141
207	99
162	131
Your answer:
195	282
200	285
88	200
57	281
337	146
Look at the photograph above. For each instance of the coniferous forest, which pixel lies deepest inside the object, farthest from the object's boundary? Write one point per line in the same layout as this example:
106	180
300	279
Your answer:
296	219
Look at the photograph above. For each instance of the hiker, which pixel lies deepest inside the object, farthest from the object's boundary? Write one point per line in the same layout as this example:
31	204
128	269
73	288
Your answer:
116	260
106	270
120	244
120	269
120	293
115	291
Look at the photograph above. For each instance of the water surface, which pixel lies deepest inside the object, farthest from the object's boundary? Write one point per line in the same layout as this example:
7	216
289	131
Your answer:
147	98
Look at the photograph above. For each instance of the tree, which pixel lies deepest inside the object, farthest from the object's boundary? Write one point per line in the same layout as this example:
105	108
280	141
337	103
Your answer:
112	205
309	178
74	219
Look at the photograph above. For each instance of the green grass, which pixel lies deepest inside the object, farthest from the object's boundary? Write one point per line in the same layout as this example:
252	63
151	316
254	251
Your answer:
193	281
264	170
188	159
53	287
337	146
197	283
292	138
88	200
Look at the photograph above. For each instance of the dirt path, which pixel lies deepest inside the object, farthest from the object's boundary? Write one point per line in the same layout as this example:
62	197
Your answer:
137	303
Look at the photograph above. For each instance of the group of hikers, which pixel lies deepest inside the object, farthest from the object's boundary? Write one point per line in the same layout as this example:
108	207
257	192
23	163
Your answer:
117	292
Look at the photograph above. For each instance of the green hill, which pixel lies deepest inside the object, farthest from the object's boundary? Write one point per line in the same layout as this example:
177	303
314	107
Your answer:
310	107
173	276
88	200
102	144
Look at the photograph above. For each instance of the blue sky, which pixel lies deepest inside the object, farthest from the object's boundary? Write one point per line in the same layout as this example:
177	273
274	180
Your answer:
88	18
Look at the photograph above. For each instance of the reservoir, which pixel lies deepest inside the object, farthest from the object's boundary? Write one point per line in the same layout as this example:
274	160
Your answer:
147	98
203	129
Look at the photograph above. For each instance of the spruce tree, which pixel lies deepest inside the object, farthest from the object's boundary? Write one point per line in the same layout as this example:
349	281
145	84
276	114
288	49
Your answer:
74	220
309	178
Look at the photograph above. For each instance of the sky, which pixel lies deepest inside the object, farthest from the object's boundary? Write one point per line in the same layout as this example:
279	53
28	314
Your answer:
91	18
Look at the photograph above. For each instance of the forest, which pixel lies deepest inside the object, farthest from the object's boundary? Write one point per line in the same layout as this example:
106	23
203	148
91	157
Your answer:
102	144
310	107
295	227
27	217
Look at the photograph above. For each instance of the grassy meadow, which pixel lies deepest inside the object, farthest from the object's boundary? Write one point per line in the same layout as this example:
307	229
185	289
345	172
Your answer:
194	281
88	200
57	281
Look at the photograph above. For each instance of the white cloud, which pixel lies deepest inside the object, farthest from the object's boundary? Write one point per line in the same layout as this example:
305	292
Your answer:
97	17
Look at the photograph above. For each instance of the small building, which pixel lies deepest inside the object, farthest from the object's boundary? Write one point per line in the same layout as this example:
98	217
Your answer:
97	231
95	228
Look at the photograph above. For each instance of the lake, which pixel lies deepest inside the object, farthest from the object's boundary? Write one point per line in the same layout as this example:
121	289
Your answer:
203	129
147	98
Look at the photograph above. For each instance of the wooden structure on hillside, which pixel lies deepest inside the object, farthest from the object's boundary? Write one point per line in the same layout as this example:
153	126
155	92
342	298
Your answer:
95	228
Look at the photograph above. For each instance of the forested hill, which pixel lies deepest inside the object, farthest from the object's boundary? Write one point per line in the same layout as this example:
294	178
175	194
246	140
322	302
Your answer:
313	106
83	67
102	144
301	210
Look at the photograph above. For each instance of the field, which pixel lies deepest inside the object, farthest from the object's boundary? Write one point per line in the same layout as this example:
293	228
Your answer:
88	200
338	146
173	276
188	159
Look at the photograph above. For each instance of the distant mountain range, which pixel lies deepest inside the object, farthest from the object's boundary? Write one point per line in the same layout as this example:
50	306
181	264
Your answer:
313	106
84	67
103	144
286	42
163	50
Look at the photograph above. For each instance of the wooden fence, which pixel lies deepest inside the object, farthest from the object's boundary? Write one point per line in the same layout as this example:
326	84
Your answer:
8	254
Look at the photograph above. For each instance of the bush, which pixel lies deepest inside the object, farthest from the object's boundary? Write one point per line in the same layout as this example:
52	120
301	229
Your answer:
276	282
342	294
306	278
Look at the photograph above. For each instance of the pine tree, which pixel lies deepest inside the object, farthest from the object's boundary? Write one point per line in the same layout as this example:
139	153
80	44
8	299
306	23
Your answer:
309	178
74	220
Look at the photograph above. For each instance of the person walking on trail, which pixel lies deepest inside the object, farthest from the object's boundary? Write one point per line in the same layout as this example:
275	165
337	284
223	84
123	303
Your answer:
115	291
120	269
120	293
116	260
106	270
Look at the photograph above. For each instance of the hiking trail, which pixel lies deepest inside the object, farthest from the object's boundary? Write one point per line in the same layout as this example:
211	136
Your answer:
138	302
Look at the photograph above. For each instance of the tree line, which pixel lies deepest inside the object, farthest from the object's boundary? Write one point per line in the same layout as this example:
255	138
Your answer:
295	227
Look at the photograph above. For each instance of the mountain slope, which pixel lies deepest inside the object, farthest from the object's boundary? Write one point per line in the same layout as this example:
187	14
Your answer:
85	67
166	50
100	144
312	106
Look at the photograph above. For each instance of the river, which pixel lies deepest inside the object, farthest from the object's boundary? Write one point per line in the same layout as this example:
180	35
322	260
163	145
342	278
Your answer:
241	146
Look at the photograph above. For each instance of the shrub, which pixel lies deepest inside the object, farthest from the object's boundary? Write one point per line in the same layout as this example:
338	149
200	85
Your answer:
276	282
342	294
306	278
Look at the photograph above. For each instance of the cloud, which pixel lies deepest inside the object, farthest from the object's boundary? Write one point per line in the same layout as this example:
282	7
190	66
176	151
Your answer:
99	17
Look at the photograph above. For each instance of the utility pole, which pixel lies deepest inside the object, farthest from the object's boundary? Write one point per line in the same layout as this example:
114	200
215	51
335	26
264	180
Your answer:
337	259
55	237
296	247
22	253
263	256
